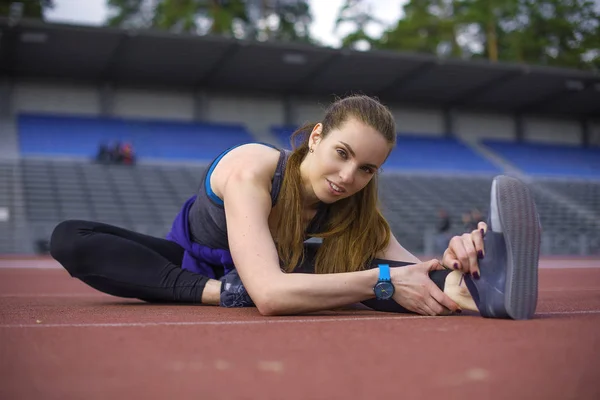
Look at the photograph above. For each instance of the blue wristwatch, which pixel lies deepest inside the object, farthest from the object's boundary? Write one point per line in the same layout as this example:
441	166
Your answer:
384	289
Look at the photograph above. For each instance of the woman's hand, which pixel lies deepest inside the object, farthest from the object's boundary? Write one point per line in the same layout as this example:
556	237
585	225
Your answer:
464	251
416	292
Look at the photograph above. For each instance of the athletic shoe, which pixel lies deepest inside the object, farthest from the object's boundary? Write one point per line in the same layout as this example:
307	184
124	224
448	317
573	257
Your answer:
233	292
508	282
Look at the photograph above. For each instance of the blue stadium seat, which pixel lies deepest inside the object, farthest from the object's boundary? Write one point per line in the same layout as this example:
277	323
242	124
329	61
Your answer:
418	153
549	159
81	136
283	134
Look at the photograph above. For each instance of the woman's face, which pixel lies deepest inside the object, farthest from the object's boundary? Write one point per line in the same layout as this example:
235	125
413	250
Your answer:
344	161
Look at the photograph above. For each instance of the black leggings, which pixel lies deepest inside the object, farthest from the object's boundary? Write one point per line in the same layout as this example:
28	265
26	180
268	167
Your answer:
128	264
125	263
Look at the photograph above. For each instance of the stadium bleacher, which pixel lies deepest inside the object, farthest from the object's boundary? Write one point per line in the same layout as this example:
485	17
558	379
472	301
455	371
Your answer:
146	197
419	153
56	111
283	135
43	134
423	175
540	159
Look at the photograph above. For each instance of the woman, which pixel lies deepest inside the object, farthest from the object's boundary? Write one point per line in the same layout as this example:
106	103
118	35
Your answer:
249	221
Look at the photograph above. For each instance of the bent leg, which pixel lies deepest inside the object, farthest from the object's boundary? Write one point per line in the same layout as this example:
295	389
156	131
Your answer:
450	282
125	263
438	277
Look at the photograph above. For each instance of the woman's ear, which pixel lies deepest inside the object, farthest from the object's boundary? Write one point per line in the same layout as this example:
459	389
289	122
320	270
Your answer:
315	135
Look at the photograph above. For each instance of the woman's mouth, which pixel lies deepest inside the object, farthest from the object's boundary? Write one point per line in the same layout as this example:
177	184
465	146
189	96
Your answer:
335	189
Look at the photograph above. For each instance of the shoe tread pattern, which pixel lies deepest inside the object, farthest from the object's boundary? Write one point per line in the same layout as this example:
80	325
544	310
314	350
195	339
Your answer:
521	229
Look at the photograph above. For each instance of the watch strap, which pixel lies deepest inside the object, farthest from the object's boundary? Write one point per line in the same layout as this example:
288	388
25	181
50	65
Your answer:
384	272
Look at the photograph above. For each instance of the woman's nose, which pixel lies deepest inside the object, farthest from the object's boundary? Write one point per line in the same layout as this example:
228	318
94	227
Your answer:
347	175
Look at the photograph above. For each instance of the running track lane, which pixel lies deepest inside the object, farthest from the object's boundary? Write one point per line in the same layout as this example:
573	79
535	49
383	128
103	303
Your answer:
61	339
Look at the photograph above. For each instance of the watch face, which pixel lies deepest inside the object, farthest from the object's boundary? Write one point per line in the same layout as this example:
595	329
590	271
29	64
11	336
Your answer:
384	290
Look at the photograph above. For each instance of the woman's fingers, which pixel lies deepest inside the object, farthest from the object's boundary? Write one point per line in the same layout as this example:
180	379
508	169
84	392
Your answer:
464	251
482	227
473	267
477	239
433	307
463	248
442	299
449	259
429	308
432	265
460	261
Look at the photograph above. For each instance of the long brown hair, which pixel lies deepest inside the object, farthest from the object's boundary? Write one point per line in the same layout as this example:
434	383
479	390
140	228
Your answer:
356	229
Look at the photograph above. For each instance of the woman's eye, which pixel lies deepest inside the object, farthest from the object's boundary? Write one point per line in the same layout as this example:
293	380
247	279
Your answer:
342	153
368	170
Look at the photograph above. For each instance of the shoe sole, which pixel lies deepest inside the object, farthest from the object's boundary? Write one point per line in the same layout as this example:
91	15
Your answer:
519	222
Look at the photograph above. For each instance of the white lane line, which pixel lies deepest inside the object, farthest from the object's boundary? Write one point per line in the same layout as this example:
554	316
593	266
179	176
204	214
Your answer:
571	290
20	264
256	322
199	323
568	312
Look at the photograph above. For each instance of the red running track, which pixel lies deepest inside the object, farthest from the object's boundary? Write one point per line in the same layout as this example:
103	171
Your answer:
60	339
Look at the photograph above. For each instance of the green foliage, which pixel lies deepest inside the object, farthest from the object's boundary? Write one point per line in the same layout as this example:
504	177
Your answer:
127	13
357	13
31	8
427	27
294	21
233	18
561	31
564	33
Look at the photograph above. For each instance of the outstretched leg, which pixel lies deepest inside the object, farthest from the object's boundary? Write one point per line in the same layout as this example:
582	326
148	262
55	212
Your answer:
440	278
508	285
125	263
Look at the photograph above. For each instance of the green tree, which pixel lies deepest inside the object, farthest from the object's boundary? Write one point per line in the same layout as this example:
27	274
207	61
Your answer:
487	17
130	13
358	14
221	16
564	31
282	20
548	32
28	8
294	19
428	26
237	18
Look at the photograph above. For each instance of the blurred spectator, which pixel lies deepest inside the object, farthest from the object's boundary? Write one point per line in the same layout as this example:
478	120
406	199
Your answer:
42	246
103	156
117	153
468	224
476	217
443	221
443	231
127	155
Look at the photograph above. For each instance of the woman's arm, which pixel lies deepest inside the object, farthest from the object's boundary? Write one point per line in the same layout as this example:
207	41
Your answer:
248	205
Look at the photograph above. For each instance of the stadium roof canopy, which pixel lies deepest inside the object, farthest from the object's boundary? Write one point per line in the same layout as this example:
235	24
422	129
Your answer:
35	49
